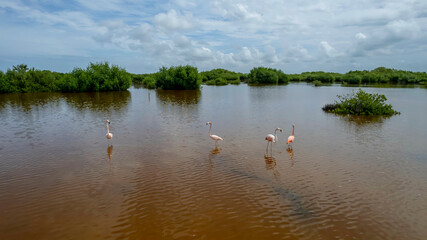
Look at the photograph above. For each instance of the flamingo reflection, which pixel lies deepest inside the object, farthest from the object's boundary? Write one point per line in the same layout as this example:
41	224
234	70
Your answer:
110	152
270	162
291	155
216	151
270	165
212	154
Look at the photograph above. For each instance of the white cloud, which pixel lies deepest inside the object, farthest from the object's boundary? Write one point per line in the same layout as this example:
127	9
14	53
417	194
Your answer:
297	53
185	3
72	19
236	11
384	40
329	50
235	34
182	42
360	36
270	55
107	5
403	29
245	55
142	32
173	21
202	53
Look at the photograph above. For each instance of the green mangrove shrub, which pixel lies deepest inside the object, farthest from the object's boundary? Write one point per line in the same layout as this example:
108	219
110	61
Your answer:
180	77
97	77
294	77
23	79
5	86
219	73
210	82
244	77
138	78
216	77
282	77
361	103
323	77
218	82
352	78
317	83
379	75
262	75
235	82
383	75
149	82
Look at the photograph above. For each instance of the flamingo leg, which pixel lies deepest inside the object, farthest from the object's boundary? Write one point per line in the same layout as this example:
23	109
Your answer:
271	148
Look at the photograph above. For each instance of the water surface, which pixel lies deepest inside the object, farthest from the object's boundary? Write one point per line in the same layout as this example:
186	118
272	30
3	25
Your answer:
161	177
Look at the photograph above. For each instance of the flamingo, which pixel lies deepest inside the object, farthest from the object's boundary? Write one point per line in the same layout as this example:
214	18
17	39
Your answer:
292	137
108	135
214	137
272	138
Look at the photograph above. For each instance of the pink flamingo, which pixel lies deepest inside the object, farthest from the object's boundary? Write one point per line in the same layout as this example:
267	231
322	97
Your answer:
214	137
272	138
108	135
291	138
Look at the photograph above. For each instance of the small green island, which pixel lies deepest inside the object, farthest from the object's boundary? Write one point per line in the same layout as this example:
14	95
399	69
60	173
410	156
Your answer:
361	103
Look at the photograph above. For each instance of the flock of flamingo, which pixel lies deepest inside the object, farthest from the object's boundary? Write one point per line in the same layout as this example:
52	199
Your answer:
270	137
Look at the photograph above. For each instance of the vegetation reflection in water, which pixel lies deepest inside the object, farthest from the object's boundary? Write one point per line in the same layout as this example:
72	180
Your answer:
179	97
99	102
94	101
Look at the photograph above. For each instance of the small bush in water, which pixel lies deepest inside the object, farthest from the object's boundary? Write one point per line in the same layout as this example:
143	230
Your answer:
220	81
235	82
217	82
317	83
361	103
149	82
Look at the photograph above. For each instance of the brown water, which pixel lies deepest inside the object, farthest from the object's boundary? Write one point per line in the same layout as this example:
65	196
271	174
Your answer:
161	176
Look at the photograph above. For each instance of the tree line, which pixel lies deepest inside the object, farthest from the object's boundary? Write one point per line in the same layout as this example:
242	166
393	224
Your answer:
264	75
103	77
380	75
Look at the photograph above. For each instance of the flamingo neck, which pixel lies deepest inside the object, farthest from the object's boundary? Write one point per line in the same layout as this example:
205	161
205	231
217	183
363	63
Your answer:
210	126
293	130
275	136
108	130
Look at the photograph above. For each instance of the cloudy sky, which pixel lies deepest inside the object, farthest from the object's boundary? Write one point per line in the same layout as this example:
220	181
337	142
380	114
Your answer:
141	36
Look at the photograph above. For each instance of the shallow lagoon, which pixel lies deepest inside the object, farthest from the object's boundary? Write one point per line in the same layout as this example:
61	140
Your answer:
161	176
